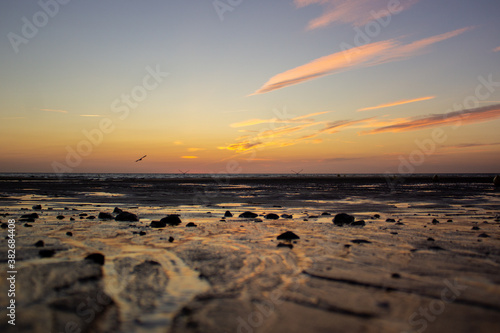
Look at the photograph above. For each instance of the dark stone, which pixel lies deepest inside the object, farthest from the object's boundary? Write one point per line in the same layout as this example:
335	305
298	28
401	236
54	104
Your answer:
105	216
449	221
60	217
248	215
343	218
126	217
83	214
27	225
158	224
377	216
171	220
191	225
483	235
285	245
5	225
69	233
286	216
313	216
361	241
272	216
258	220
171	239
30	220
435	221
98	258
396	276
37	207
142	233
436	248
325	214
359	223
91	217
46	253
287	236
30	216
390	220
228	214
394	233
71	219
475	228
117	210
399	223
40	243
430	239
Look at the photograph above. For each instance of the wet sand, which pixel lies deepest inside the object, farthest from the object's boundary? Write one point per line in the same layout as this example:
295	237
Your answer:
400	272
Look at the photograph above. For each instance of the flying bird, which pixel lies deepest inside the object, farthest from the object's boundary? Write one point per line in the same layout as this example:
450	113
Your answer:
183	172
141	158
297	172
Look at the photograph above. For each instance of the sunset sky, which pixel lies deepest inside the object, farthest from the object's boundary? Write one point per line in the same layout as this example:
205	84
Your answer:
250	86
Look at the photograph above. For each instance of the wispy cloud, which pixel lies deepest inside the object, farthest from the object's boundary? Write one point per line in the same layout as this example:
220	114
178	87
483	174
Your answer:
189	157
91	115
362	56
496	49
54	110
462	117
195	149
300	119
355	12
471	145
387	105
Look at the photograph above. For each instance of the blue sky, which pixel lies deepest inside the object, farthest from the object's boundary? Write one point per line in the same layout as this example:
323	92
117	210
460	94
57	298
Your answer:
63	80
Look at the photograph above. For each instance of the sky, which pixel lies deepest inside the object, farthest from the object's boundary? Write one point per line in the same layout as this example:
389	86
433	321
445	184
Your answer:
240	86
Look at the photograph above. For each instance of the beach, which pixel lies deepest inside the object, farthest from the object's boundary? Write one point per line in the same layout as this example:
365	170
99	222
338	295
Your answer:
422	255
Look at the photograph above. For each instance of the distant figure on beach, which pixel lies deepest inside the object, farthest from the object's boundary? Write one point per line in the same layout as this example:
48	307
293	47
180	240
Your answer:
496	181
141	158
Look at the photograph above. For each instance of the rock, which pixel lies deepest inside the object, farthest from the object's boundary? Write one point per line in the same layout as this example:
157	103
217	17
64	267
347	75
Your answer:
475	228
37	207
361	241
105	216
98	258
69	233
46	253
248	215
158	224
287	236
27	225
325	214
117	210
396	276
258	220
450	221
430	239
228	214
126	217
40	243
399	223
483	235
390	220
377	216
343	218
191	225
435	178
313	216
30	220
285	245
436	248
435	221
60	217
171	239
83	214
171	220
272	216
30	216
71	218
142	233
286	216
91	217
496	180
359	223
5	225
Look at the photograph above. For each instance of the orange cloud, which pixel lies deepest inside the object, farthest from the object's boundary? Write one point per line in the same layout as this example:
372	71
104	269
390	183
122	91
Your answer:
195	149
355	12
456	117
299	119
496	49
189	157
362	56
398	103
53	110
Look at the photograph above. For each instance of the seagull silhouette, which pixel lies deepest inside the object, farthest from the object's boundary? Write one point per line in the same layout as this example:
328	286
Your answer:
183	172
141	158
